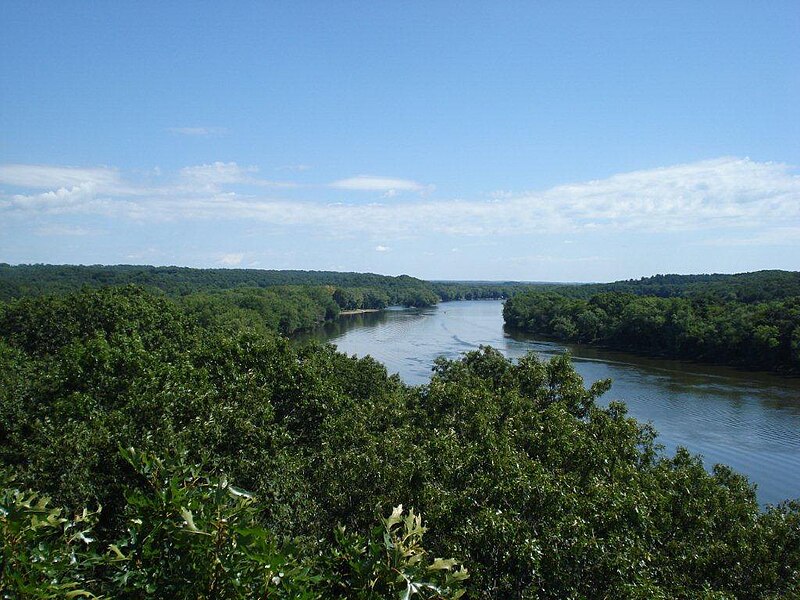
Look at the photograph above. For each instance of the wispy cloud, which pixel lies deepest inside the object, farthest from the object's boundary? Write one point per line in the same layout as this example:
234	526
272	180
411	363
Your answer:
701	195
199	131
381	248
50	177
220	173
715	195
390	186
232	259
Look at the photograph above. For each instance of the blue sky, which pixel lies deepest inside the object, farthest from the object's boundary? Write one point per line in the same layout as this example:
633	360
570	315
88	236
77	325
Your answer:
533	141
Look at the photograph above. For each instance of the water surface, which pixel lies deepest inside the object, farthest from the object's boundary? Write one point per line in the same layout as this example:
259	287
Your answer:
749	421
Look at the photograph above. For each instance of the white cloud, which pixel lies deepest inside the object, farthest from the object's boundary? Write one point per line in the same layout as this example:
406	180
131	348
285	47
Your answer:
77	199
760	199
380	248
232	259
214	175
389	185
49	177
199	131
725	192
219	172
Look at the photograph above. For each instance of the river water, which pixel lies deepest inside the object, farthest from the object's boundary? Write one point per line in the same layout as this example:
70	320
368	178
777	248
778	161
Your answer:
749	421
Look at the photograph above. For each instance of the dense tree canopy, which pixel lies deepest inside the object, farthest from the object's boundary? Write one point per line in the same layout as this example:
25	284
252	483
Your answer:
372	291
758	286
521	476
16	281
351	290
762	335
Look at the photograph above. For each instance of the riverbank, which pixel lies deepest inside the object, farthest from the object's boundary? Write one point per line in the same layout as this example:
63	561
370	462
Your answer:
359	311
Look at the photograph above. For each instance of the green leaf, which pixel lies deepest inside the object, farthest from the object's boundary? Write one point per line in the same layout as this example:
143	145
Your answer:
78	593
187	516
239	493
442	564
395	518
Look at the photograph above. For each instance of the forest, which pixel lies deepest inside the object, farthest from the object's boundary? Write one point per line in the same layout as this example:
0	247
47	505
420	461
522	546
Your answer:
356	290
160	445
761	334
26	280
757	286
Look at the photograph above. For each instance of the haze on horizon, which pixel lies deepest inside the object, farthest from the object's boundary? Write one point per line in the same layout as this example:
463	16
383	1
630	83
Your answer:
538	142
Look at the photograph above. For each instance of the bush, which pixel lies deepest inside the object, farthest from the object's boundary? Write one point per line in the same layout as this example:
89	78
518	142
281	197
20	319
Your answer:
191	535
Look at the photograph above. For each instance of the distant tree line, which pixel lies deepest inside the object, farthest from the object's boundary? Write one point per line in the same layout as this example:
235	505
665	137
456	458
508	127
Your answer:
449	291
758	286
230	463
758	335
28	280
350	290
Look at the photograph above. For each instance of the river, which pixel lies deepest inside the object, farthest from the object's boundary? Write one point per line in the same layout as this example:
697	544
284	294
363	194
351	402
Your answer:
749	421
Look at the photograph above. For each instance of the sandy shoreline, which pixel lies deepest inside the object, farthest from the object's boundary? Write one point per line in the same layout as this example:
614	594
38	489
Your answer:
359	311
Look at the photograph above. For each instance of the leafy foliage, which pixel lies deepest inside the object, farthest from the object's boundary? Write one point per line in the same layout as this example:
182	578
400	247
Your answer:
190	536
30	280
764	335
748	288
44	554
539	491
283	309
